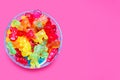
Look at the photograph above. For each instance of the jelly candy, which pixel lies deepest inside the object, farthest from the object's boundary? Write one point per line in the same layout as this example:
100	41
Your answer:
21	60
25	22
11	48
50	29
24	46
19	57
34	60
41	60
15	23
13	37
13	30
30	34
52	37
40	36
32	43
52	54
40	49
7	39
44	54
43	19
53	44
38	24
8	32
48	23
18	53
30	17
37	13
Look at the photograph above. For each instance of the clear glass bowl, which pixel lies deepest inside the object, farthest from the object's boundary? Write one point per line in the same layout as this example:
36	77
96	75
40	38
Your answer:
45	63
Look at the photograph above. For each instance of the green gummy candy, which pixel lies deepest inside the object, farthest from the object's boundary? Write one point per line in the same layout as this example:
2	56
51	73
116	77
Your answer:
39	24
44	43
15	23
11	48
38	49
44	55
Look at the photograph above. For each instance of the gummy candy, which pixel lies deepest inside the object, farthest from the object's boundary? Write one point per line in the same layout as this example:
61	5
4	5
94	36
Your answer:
21	60
25	22
32	39
18	53
38	24
40	48
52	37
30	34
13	37
23	45
15	23
43	19
52	54
37	13
53	44
40	51
41	60
11	48
21	33
34	60
30	16
40	36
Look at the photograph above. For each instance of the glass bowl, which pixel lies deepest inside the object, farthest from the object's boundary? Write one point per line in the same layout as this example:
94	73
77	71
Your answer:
52	52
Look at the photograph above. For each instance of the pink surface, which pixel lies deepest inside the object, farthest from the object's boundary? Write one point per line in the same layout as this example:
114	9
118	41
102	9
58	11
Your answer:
91	40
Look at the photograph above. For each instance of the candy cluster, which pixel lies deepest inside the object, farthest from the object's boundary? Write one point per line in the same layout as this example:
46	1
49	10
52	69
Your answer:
32	39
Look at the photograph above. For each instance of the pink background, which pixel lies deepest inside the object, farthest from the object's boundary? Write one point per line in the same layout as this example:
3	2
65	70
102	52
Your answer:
91	40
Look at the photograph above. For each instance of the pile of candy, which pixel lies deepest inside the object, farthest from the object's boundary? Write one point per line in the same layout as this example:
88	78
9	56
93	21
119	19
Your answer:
32	39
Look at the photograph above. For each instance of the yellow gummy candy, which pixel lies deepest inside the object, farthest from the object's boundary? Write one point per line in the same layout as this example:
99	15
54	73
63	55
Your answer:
7	37
23	44
34	64
23	17
8	32
24	54
40	36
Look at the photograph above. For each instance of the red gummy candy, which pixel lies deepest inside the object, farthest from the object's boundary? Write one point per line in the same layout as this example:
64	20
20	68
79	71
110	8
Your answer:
53	28
18	53
32	43
48	22
22	60
13	36
37	13
47	29
30	34
19	57
50	29
52	54
20	33
52	37
30	17
13	30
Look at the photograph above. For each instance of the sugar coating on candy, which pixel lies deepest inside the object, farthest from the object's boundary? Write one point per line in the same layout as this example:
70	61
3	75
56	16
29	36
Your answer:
32	39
